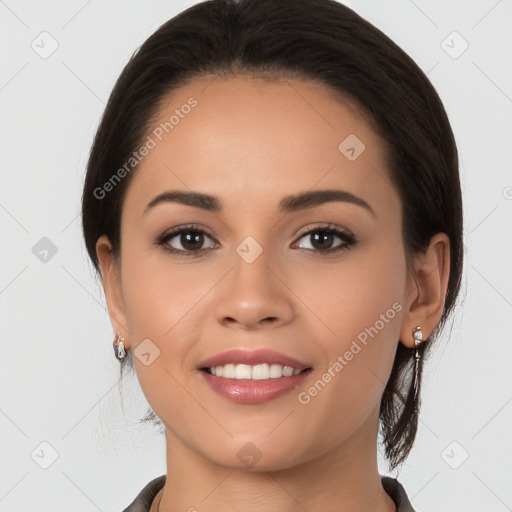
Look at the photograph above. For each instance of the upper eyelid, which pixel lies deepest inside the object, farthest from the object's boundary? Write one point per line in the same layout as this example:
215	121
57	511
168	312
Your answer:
329	226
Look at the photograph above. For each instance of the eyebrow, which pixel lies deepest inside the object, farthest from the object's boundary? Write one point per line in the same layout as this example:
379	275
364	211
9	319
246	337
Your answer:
288	204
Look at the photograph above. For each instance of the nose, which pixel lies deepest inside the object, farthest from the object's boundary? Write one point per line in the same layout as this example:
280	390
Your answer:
254	295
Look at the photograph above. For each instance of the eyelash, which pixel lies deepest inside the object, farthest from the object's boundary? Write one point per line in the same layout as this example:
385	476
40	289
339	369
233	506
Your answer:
348	238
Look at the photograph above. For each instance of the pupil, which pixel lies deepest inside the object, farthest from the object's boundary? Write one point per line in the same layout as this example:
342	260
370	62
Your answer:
322	237
190	241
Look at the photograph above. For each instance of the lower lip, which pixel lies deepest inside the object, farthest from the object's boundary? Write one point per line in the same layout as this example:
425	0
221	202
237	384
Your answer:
244	391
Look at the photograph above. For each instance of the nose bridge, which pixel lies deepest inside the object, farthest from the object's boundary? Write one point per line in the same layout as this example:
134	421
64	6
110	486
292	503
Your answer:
253	293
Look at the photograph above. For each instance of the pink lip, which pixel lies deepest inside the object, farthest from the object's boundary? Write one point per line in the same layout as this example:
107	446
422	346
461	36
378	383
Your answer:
252	357
246	391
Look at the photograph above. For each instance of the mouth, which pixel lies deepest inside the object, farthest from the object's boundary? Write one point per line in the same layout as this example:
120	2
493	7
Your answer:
252	377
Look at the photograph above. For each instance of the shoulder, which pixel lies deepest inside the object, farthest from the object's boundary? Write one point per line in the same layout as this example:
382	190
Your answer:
142	502
397	493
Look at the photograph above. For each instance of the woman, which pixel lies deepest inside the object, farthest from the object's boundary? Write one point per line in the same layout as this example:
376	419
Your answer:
273	203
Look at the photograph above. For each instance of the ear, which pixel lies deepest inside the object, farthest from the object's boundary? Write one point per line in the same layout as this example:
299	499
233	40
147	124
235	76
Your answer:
110	276
427	289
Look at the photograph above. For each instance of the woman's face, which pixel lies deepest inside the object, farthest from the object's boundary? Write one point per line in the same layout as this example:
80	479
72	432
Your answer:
252	280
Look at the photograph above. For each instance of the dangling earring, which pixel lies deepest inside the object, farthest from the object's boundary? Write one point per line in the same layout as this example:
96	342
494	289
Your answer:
119	350
418	337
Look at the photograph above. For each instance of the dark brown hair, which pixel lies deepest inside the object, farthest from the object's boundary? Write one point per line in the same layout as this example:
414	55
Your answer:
319	40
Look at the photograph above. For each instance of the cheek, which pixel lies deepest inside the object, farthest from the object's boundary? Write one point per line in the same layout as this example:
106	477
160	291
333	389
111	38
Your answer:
361	308
166	302
351	296
160	304
159	291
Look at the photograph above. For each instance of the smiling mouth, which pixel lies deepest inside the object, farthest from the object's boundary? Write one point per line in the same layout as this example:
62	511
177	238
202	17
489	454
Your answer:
254	372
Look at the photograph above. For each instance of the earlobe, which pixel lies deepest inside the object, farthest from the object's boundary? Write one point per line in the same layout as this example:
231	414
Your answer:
111	280
425	304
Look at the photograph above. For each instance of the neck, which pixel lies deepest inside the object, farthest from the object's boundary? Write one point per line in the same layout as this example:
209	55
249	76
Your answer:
344	479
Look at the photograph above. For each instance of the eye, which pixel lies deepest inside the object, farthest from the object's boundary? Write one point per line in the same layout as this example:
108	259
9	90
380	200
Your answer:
322	239
185	240
189	240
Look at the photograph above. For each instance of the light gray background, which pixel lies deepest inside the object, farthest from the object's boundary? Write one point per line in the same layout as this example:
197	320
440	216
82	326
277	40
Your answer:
59	378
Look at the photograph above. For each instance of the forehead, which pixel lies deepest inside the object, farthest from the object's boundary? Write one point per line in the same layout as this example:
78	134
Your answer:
245	138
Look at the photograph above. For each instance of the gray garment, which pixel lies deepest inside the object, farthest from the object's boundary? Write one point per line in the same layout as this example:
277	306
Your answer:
392	486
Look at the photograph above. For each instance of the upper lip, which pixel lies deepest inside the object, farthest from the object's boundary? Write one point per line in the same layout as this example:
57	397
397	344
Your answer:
252	357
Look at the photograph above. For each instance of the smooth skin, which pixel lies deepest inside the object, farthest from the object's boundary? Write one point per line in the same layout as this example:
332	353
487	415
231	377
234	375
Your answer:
250	143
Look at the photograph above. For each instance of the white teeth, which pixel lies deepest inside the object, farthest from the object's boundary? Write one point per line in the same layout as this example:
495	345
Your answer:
276	371
229	371
243	371
260	372
287	371
256	372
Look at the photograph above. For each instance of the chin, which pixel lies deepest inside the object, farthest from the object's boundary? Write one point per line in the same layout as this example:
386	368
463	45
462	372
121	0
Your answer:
256	455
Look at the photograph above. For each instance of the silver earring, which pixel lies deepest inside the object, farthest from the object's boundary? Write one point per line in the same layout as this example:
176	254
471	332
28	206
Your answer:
418	338
119	350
